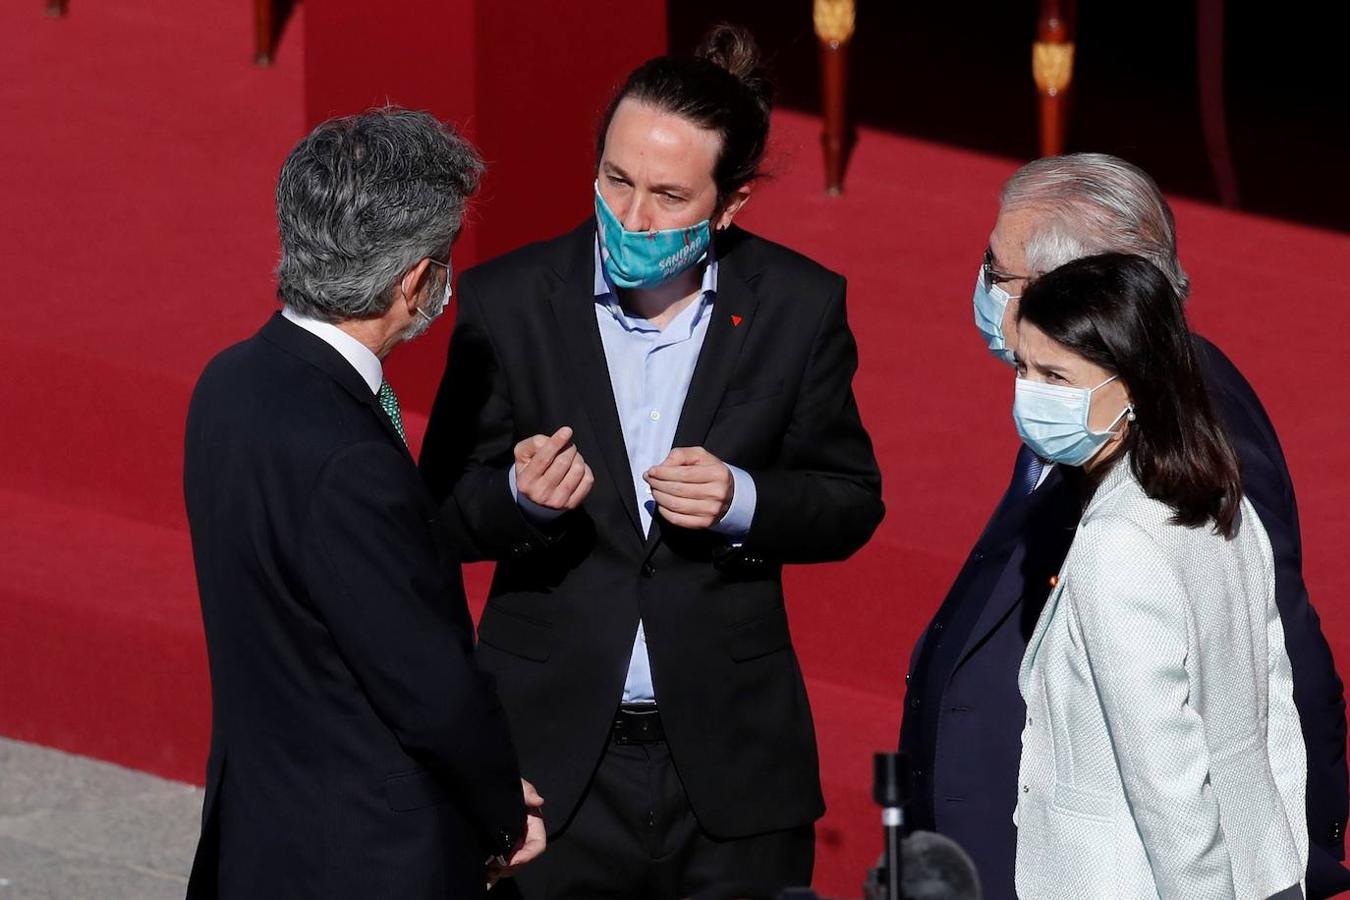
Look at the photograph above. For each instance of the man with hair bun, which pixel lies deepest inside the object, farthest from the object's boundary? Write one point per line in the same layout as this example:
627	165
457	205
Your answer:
641	422
963	715
357	749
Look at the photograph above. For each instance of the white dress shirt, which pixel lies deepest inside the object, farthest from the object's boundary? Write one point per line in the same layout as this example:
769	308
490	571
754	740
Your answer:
362	359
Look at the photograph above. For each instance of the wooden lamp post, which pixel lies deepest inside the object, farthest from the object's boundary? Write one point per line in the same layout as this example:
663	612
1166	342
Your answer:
1052	68
834	21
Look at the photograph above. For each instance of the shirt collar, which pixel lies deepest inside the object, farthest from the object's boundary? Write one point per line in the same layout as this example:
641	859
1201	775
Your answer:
366	363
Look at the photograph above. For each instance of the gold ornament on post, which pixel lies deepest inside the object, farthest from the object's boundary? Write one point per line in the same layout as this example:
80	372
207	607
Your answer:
1052	66
834	21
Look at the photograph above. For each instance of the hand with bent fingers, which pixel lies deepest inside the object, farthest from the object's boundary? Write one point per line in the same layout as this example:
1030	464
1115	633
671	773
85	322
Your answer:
692	488
551	472
535	836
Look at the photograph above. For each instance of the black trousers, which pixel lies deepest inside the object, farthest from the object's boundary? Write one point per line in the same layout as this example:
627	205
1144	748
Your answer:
634	837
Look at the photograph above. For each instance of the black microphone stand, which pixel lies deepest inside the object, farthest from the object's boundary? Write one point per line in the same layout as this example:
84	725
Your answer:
890	790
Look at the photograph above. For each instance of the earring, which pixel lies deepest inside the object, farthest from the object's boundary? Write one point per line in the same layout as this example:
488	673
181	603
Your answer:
1129	416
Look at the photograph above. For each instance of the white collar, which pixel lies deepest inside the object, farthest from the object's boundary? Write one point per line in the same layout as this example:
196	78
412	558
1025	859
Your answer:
366	363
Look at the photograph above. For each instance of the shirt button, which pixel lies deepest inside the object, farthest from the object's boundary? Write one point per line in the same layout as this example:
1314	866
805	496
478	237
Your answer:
913	702
654	415
1028	721
1026	789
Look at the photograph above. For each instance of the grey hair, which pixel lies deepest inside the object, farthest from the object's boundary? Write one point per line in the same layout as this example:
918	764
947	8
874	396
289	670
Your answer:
1094	203
360	200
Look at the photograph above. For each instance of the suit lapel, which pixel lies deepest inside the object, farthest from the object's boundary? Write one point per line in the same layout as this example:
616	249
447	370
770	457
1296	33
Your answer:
313	350
573	304
1037	636
389	426
1011	526
1115	480
733	315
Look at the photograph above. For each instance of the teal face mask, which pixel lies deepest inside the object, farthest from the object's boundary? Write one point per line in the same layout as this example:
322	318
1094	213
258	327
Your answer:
643	259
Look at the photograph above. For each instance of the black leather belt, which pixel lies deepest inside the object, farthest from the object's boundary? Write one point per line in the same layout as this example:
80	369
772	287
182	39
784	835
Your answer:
638	724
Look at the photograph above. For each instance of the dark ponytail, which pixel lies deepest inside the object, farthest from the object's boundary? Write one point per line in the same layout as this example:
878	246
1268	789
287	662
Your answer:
1120	312
723	87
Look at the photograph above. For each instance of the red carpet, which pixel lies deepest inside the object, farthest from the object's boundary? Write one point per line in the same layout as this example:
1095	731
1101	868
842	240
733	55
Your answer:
140	153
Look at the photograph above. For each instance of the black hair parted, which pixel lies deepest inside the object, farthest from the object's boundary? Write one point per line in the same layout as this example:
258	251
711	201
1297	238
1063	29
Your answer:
1120	312
724	87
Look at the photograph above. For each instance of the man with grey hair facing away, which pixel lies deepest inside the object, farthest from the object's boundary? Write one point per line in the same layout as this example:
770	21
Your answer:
964	715
356	748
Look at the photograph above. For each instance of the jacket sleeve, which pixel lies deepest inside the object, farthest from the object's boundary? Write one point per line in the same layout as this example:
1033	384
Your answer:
821	500
468	450
1284	740
1318	691
1131	610
397	617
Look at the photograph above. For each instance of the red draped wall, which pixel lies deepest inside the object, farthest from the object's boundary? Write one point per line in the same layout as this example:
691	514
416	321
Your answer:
526	81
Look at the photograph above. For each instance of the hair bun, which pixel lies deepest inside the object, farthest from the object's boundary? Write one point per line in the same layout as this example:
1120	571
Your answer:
732	47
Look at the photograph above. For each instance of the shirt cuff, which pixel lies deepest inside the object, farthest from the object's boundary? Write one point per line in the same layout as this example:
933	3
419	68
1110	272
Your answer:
539	515
736	523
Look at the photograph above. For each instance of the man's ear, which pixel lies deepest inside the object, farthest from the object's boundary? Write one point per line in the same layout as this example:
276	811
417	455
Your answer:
735	201
412	284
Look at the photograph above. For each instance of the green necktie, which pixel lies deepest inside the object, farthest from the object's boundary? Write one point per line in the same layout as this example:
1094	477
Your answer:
389	403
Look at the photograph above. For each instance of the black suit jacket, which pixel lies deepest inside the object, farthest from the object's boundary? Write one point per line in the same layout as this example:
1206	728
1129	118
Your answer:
356	749
963	712
771	393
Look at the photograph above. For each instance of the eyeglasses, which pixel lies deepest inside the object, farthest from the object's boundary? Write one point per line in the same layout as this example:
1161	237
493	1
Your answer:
993	275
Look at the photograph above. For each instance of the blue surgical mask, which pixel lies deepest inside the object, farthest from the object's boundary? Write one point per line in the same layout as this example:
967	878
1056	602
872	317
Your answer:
644	259
1052	420
990	305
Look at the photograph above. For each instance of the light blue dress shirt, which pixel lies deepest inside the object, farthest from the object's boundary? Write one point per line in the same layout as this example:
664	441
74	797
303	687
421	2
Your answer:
649	371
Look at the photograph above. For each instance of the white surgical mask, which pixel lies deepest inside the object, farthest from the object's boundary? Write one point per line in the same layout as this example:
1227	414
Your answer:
420	328
445	294
1052	420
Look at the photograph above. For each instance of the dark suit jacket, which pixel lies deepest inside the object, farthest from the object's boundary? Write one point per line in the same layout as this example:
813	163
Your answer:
356	749
963	713
772	395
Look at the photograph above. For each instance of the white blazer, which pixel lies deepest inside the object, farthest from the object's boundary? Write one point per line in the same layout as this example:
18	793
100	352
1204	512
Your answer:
1162	754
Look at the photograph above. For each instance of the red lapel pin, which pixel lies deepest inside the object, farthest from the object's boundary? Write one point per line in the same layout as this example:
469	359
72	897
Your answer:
736	320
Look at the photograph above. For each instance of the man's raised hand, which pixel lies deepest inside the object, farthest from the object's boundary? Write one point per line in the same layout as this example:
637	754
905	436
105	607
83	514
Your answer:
551	472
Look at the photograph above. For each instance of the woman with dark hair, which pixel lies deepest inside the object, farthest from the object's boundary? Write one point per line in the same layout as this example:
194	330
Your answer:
1162	754
642	422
